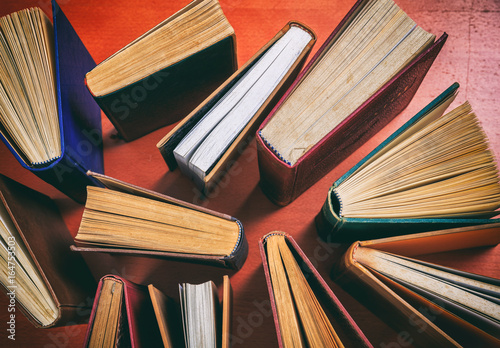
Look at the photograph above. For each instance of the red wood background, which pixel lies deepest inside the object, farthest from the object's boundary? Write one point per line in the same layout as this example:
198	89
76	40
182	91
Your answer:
470	57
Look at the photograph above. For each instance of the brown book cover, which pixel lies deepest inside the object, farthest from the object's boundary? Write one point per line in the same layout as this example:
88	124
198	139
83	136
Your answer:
347	329
47	240
234	261
168	143
398	305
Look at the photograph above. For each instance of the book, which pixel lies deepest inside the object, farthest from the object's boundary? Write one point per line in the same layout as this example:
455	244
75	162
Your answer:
365	74
161	76
306	311
49	283
127	219
168	317
204	144
205	323
434	305
435	172
122	316
48	121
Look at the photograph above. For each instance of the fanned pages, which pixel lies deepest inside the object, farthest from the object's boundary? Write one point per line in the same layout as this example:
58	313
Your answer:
365	73
473	297
28	104
306	311
121	220
20	274
453	308
437	169
380	41
199	150
34	244
297	306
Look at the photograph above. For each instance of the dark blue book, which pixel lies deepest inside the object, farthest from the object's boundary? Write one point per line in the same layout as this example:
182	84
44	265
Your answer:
79	117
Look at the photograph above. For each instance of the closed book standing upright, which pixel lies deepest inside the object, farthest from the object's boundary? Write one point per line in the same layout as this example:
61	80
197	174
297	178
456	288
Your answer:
164	74
78	119
260	108
51	283
291	158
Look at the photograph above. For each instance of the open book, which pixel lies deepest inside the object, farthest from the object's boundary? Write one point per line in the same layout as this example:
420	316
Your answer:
161	76
127	219
365	73
126	314
206	324
34	243
46	115
306	311
202	144
435	171
438	306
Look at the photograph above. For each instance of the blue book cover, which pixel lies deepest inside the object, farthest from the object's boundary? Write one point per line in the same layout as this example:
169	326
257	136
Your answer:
79	117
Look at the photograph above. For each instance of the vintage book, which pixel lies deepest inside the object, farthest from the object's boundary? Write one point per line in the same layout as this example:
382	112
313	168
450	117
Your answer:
205	318
122	316
435	172
306	311
49	283
126	219
205	143
47	120
164	74
435	305
168	317
365	74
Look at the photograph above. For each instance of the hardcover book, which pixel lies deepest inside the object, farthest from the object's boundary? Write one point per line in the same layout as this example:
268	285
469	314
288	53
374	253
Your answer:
365	74
127	219
48	120
164	74
306	311
50	284
122	316
437	306
435	172
206	319
205	143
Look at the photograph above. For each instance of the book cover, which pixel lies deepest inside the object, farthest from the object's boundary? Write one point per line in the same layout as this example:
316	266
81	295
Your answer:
169	94
404	309
79	117
173	138
344	325
135	325
332	226
283	182
234	261
46	238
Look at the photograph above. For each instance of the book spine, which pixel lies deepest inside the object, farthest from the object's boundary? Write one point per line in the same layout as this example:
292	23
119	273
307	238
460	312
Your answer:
277	179
69	177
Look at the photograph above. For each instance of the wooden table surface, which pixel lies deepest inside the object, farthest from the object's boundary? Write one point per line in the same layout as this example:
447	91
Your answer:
470	57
